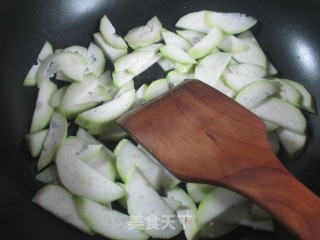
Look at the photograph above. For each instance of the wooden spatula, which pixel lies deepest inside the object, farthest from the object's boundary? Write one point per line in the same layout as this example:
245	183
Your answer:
201	135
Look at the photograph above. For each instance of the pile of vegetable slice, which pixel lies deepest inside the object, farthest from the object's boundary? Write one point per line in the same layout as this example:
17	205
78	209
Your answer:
85	178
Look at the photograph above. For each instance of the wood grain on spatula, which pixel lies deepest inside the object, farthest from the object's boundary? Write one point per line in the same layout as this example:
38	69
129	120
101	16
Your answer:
201	135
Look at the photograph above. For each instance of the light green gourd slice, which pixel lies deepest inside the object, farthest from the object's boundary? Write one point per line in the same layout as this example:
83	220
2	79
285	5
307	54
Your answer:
144	201
205	46
175	54
82	179
293	143
210	68
283	114
43	110
110	52
108	32
230	23
58	201
57	133
35	142
144	35
194	21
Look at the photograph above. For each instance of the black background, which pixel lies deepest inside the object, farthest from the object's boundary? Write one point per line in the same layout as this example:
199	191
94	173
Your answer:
288	32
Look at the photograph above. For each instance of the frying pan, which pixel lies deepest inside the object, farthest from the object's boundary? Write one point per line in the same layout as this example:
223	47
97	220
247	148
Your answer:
288	32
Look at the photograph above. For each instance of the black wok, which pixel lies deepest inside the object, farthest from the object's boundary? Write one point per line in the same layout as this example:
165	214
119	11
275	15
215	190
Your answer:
288	31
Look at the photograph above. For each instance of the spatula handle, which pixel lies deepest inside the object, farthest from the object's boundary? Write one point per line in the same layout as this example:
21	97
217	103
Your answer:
280	193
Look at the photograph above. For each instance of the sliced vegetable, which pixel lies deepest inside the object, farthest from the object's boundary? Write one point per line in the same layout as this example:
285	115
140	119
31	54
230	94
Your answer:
125	88
166	64
43	111
109	34
110	52
155	58
121	78
254	55
168	180
106	221
210	68
56	135
156	88
56	98
307	101
144	201
230	23
83	180
222	87
194	21
271	69
78	144
77	49
248	36
233	62
176	78
293	143
255	93
35	142
186	213
197	193
174	39
30	79
240	215
191	36
172	204
58	201
105	79
283	114
184	68
144	35
82	134
151	48
82	96
101	161
250	70
45	52
288	92
102	129
128	155
106	112
141	92
103	164
176	54
90	152
114	134
237	82
95	59
72	65
133	61
49	175
231	44
270	126
206	44
216	203
61	77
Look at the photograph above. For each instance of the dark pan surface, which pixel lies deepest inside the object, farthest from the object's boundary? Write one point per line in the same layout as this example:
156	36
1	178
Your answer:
288	32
